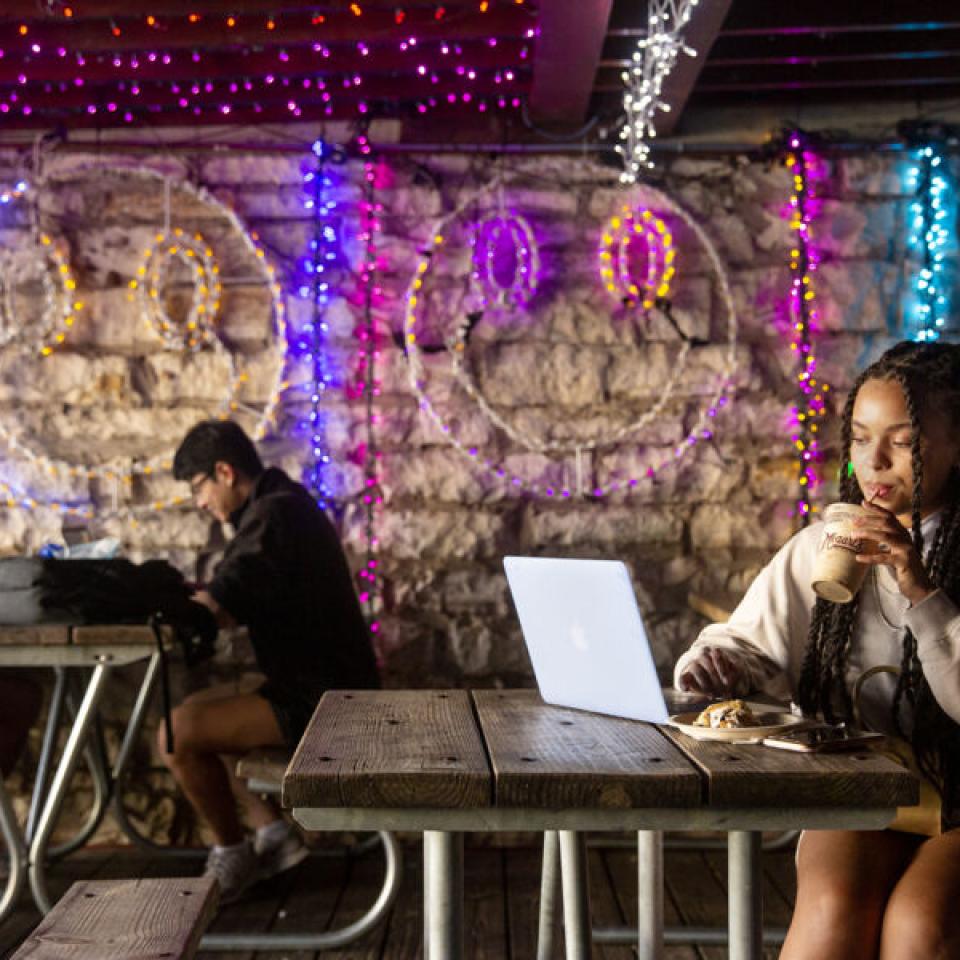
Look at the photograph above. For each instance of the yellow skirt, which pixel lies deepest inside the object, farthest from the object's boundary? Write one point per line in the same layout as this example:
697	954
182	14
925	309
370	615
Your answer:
924	818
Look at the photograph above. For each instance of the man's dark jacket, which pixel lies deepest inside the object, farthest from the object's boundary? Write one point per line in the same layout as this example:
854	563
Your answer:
284	576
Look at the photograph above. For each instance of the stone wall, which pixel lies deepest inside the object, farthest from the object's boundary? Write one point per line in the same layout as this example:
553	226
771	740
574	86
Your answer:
575	365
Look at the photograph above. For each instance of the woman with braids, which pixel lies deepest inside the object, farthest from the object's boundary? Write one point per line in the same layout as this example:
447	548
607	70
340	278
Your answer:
872	895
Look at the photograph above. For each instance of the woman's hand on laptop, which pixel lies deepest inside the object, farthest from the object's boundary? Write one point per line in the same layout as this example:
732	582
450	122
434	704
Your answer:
712	672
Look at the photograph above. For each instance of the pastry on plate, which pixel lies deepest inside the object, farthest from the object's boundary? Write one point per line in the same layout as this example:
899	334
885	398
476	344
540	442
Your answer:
726	715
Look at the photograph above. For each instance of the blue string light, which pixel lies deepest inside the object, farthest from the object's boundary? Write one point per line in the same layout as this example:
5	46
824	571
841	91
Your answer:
314	285
931	235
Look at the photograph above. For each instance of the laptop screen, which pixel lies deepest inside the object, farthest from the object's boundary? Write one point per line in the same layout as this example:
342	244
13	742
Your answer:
585	636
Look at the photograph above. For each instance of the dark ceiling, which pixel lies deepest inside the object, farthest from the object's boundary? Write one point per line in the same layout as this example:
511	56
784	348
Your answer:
482	70
815	52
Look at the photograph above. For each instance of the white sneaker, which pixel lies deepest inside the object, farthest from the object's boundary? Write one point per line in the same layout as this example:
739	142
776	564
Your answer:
279	851
235	869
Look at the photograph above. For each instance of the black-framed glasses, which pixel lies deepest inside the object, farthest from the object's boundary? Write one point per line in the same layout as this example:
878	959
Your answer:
196	484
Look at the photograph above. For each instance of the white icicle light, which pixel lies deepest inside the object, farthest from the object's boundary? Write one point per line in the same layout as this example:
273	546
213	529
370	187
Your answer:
654	59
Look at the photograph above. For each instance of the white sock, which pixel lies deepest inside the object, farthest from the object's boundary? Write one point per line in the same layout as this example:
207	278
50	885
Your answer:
272	833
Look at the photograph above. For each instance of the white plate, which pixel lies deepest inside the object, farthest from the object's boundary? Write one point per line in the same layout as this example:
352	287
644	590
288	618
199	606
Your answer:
770	722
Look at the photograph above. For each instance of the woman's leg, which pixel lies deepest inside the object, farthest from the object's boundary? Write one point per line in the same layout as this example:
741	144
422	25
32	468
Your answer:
923	914
844	879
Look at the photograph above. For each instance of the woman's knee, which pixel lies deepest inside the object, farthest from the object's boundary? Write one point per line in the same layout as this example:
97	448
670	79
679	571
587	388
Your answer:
917	926
835	910
837	914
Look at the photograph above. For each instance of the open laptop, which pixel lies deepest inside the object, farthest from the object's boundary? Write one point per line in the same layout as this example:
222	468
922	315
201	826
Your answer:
585	636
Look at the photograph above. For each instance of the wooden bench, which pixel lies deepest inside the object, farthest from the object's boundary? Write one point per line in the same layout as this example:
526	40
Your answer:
125	920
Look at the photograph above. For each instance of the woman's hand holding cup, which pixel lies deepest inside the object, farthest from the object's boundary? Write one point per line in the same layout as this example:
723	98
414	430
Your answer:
893	547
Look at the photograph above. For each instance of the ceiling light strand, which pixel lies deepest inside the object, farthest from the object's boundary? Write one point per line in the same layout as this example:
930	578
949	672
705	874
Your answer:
654	59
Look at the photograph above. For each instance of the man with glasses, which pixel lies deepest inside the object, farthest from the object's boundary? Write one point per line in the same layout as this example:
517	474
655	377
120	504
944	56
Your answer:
284	576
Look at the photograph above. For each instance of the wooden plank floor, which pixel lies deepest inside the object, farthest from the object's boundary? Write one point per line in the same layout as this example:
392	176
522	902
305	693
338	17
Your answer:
502	885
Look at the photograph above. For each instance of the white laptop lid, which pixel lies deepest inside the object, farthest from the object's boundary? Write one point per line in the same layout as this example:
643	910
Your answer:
585	636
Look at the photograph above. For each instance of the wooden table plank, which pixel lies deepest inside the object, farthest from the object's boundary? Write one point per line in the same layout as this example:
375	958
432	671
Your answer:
555	758
40	634
121	634
390	748
751	775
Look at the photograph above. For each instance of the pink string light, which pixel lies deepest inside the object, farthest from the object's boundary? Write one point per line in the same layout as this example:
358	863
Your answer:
365	385
807	170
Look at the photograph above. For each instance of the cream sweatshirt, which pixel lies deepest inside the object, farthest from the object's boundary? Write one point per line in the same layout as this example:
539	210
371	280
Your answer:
767	632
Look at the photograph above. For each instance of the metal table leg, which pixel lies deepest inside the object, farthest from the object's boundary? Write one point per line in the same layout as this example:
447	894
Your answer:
94	759
650	895
576	895
61	779
16	851
548	894
45	761
745	893
443	895
137	716
100	783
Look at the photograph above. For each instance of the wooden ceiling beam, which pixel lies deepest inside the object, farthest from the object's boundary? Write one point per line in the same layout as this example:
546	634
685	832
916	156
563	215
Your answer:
377	26
699	34
948	82
298	61
569	45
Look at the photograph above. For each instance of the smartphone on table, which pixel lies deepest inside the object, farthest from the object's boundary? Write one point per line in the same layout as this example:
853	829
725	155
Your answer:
823	739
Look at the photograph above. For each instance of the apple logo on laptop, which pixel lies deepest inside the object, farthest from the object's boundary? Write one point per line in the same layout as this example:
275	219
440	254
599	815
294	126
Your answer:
578	637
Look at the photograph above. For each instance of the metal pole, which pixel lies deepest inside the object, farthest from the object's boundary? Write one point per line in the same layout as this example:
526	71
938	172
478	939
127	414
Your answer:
136	718
46	750
16	852
704	936
94	755
650	894
548	894
61	779
443	895
98	806
745	895
673	841
576	895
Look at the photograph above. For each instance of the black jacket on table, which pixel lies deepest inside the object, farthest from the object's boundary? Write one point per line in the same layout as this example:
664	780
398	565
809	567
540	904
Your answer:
284	575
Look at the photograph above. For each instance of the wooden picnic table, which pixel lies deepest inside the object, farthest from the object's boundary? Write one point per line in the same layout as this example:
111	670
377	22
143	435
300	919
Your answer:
445	762
93	652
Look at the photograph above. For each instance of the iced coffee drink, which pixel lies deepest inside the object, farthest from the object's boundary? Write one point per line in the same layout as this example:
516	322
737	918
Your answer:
837	575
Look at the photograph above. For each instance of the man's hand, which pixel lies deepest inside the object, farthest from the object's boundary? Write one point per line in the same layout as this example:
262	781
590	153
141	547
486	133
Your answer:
713	672
224	617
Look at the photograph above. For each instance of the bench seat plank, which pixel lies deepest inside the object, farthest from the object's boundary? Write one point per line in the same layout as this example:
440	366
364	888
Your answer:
125	920
555	758
751	775
266	764
390	748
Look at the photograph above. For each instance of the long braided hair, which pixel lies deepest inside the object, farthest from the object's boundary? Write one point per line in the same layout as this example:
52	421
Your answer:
929	375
